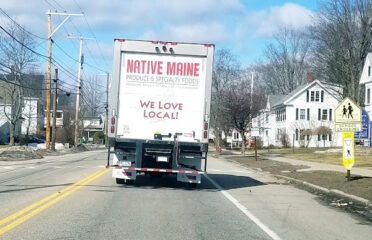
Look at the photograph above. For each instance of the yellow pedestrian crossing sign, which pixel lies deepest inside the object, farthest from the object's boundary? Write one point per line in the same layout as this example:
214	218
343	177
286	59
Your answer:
348	117
348	149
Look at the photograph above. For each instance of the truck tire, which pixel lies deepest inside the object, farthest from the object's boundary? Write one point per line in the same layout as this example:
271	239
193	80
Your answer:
193	185
120	181
130	182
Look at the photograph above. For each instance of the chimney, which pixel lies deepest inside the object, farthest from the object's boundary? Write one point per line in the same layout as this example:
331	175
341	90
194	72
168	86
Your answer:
310	77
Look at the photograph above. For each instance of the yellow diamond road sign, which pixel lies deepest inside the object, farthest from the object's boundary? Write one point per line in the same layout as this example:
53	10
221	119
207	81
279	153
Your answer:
348	117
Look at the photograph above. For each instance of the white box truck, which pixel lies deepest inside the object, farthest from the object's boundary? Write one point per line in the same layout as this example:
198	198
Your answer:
159	109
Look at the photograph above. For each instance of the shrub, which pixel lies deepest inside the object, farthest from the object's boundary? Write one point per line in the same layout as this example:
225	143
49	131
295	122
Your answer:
98	137
284	139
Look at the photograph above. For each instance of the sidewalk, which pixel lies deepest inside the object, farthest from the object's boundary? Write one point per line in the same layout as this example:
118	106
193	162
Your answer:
314	166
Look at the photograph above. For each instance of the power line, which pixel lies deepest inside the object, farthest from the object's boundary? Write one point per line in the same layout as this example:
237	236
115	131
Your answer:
91	54
39	54
20	26
72	58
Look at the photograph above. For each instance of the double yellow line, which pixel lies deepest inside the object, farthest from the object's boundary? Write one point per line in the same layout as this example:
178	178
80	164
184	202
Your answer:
37	207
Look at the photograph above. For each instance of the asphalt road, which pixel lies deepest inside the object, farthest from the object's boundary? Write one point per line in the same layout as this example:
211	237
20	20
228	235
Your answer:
39	200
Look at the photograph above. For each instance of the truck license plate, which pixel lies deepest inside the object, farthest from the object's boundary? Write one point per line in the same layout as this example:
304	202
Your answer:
126	163
161	159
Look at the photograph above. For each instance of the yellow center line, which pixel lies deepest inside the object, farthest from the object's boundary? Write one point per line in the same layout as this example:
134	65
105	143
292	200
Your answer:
38	203
57	197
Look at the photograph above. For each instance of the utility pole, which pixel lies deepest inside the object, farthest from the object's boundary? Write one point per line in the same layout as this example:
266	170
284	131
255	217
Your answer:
47	128
106	107
54	111
50	34
79	86
107	93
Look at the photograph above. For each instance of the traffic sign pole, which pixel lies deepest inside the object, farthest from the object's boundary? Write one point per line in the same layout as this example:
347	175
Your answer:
348	118
348	151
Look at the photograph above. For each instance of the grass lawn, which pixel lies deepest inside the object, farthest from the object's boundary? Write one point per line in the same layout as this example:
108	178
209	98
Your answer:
363	156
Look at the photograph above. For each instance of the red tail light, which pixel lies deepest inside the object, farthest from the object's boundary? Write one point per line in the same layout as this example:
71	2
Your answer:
205	126
113	120
205	134
112	129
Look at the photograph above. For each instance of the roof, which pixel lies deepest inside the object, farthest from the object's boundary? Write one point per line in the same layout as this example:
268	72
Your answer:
273	99
301	88
291	94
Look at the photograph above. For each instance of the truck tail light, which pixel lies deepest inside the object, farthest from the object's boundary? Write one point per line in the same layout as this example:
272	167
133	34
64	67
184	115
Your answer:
205	126
113	120
205	134
112	129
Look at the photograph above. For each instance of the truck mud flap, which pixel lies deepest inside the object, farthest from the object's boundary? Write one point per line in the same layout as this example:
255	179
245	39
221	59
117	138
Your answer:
189	178
121	173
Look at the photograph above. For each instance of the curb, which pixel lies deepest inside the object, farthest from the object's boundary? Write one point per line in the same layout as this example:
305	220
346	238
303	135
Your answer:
333	192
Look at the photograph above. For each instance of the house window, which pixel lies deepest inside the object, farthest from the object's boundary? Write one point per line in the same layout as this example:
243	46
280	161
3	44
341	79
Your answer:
318	137
58	115
236	135
267	133
368	95
312	96
317	96
302	114
324	114
330	137
267	118
330	114
369	71
324	137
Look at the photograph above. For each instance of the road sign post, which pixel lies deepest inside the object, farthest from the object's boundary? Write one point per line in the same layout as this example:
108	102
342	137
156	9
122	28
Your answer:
348	117
348	155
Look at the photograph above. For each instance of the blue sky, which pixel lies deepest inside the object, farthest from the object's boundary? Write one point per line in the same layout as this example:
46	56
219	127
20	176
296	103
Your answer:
243	26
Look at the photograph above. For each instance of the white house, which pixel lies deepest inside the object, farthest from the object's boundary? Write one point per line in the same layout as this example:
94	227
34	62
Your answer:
366	78
298	116
93	125
265	120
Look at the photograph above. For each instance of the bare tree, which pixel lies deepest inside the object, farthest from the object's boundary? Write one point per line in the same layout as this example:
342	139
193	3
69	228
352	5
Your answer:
239	105
226	69
285	64
342	39
93	97
16	57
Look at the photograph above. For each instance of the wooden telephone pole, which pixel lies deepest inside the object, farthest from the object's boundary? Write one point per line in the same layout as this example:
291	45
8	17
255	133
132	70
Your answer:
76	133
50	34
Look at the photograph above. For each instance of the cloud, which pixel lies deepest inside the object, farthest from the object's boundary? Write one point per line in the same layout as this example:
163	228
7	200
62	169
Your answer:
267	22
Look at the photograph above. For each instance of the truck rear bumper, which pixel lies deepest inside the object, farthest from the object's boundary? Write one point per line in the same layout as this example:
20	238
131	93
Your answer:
129	173
157	170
